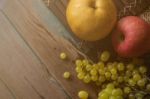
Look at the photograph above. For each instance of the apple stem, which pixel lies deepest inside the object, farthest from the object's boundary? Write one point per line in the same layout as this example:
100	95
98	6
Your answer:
121	38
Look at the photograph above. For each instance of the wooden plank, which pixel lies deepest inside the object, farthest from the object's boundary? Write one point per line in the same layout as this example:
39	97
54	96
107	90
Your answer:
2	3
5	91
46	45
22	75
50	21
59	9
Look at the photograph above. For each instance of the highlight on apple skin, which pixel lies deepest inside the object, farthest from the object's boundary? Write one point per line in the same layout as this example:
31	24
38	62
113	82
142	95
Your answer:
131	37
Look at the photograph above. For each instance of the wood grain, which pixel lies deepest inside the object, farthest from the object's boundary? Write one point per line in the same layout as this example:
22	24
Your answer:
22	75
30	67
58	7
46	45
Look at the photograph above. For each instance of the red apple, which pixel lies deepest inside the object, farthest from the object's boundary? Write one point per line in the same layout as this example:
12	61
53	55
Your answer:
131	37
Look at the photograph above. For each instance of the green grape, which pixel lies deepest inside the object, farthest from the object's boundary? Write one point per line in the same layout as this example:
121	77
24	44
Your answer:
78	69
104	95
88	67
83	94
135	72
113	71
119	97
117	92
141	83
96	66
130	67
126	78
142	69
148	87
110	86
105	56
87	79
128	73
131	96
101	92
63	56
112	97
93	71
94	77
101	65
78	62
110	67
139	95
120	92
66	75
108	90
120	66
120	79
136	77
85	62
114	77
127	90
102	78
131	82
114	64
107	75
81	75
101	71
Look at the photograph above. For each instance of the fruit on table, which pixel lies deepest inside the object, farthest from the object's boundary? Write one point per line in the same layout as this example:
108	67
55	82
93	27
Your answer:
131	37
83	94
118	79
91	20
63	56
105	56
110	93
66	75
127	90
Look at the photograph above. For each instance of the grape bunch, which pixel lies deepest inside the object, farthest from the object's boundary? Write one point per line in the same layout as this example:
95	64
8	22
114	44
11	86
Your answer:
116	79
110	92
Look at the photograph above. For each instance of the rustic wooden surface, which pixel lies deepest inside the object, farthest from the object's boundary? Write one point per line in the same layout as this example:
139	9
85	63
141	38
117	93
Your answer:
58	7
30	67
22	75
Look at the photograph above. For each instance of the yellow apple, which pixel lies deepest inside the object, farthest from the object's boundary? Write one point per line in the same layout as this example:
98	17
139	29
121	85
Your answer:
91	20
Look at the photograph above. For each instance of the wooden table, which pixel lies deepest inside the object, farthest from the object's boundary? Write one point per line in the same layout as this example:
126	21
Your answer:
30	43
30	67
